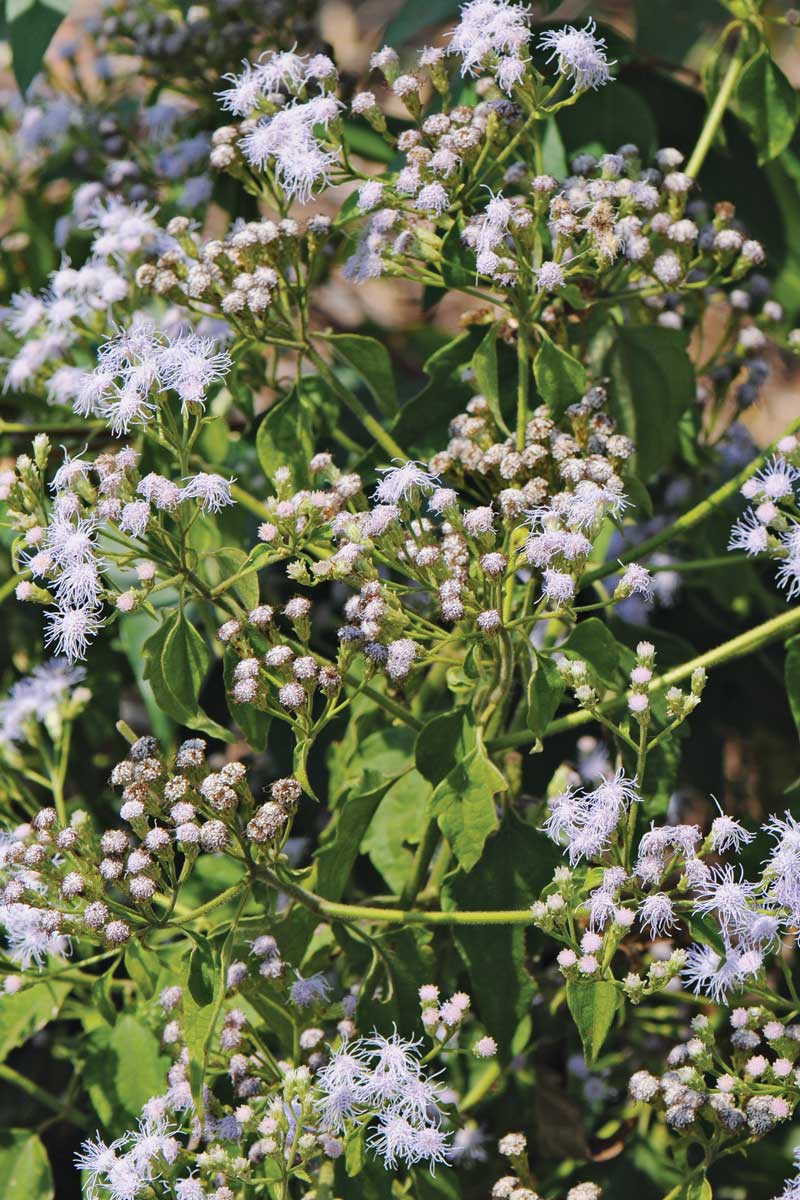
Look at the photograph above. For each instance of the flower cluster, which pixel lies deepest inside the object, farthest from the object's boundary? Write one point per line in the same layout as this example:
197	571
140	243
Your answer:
70	542
736	1093
770	525
63	881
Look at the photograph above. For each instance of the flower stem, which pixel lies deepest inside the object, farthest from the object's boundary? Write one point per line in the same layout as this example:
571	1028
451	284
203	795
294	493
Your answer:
689	519
745	643
717	111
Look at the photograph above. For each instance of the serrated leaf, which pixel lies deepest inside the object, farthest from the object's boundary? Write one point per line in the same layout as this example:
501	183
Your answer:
396	825
463	803
593	1004
435	744
143	967
487	374
185	660
768	104
515	865
290	429
560	378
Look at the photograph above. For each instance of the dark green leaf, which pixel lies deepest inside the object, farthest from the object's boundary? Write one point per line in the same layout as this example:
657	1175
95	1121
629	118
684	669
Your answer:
185	660
415	16
653	383
395	827
668	29
768	104
201	977
516	864
611	117
253	723
560	378
792	675
592	640
436	743
422	423
593	1004
545	689
30	28
485	367
370	359
290	429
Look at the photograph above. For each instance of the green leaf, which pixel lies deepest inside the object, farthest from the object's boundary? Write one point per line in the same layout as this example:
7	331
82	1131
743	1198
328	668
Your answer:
153	651
593	1004
436	743
185	660
614	115
203	984
463	803
592	640
415	16
382	759
792	676
396	825
768	105
668	29
560	378
288	432
140	1070
24	1166
422	422
30	28
143	967
487	375
545	689
370	359
26	1012
515	865
226	562
692	1189
201	976
653	384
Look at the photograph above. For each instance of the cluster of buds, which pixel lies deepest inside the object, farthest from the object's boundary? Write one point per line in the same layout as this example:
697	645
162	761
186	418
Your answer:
736	1093
520	1185
247	277
62	882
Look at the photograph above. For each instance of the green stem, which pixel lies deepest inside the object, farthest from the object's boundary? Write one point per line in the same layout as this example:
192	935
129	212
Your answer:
9	1075
333	910
523	384
717	111
745	643
372	426
689	519
422	860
